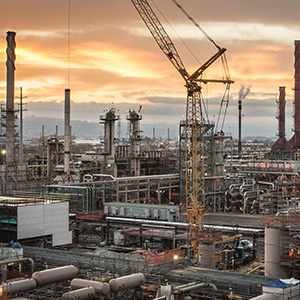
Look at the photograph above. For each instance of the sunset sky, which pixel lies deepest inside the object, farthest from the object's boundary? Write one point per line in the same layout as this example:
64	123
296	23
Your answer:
114	58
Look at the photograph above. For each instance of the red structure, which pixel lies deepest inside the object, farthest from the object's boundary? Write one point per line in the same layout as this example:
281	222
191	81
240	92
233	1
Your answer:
295	140
281	143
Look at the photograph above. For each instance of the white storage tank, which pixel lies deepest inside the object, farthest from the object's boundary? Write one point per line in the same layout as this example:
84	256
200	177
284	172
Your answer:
55	275
101	288
126	282
272	254
19	286
81	294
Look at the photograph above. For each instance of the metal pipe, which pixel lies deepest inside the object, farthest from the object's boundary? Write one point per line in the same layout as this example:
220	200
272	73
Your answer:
179	224
246	198
267	183
17	260
232	186
105	175
185	285
197	286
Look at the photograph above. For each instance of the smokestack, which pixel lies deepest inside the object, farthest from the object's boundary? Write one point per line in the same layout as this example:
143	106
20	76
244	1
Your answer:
240	127
243	92
67	132
153	134
295	140
10	96
281	116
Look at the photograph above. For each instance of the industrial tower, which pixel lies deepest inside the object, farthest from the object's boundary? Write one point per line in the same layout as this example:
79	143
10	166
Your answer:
109	119
281	144
135	142
295	140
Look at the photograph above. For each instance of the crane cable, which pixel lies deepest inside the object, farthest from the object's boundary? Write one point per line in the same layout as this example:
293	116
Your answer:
225	98
223	57
184	43
196	24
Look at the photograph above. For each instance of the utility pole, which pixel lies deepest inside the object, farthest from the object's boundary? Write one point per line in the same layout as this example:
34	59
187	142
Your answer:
21	154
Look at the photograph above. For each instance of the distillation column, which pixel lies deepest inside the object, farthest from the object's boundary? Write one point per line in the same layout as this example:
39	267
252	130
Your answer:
295	140
135	142
109	120
10	97
281	143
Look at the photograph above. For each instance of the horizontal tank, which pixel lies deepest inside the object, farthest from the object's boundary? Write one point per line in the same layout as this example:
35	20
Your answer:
55	275
19	286
126	282
81	294
101	288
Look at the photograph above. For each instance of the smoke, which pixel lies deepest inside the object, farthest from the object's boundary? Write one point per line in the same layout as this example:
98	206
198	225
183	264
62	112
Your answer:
243	92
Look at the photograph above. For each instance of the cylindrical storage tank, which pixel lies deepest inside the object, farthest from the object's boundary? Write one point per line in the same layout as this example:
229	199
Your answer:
19	286
126	282
101	288
55	275
207	255
272	254
81	294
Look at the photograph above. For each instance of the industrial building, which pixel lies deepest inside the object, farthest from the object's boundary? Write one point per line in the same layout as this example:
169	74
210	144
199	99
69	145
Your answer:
202	219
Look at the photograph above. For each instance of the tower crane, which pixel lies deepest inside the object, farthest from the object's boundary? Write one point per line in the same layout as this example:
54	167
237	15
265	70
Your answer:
194	130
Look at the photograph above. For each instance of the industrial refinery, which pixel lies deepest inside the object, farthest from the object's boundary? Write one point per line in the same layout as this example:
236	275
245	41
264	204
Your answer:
201	216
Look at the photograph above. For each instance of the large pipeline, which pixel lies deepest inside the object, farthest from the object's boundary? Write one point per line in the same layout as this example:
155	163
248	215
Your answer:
265	297
126	282
101	288
197	286
55	275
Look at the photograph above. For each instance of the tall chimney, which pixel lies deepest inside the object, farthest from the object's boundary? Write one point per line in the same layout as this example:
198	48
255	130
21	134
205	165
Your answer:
67	132
240	127
295	140
281	115
10	97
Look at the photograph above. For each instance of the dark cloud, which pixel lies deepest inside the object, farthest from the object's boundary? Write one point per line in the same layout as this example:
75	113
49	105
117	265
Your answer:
116	60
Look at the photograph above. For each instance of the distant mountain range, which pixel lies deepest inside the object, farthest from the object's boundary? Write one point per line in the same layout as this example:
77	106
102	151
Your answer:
83	129
33	127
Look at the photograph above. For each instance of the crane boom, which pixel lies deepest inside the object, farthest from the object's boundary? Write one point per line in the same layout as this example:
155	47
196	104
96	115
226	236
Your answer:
160	35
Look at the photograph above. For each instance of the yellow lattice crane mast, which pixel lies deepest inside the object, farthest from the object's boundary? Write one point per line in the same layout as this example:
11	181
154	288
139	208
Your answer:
194	133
